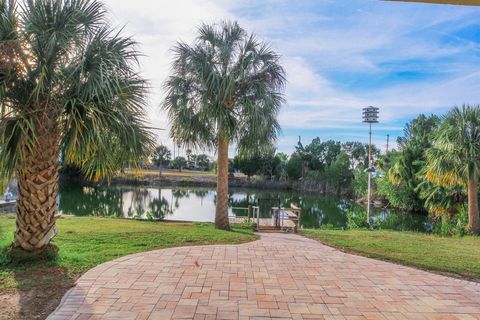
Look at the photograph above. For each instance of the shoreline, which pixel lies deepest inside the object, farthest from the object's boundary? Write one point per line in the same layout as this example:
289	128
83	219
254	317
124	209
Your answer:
209	181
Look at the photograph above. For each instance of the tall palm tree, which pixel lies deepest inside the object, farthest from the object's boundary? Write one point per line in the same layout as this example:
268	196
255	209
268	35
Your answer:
68	87
179	163
161	156
454	159
225	88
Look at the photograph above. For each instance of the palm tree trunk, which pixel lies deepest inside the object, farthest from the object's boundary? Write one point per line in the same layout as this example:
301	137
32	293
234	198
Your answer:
473	217
161	169
37	194
221	215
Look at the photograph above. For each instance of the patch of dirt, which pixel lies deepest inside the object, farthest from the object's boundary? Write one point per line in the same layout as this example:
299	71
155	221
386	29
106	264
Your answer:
40	293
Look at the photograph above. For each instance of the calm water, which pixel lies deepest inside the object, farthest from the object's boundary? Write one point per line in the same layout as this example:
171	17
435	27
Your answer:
198	204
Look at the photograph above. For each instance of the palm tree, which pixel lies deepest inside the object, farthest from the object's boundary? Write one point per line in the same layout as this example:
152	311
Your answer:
68	87
179	163
454	159
203	162
161	156
225	88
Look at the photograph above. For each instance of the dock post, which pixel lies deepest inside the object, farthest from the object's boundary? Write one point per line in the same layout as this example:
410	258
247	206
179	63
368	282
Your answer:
258	218
279	212
298	212
299	219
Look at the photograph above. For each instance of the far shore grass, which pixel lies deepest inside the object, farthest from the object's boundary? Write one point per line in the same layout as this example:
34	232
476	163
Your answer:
167	173
460	256
85	242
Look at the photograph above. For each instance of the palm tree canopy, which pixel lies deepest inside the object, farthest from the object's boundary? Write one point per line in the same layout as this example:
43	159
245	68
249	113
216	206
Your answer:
228	84
455	156
418	136
180	162
63	68
161	155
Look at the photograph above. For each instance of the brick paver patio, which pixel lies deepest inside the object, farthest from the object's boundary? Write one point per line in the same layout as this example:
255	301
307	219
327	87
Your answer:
279	276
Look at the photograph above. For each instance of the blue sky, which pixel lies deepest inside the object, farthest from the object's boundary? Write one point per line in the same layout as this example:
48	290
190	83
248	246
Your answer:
340	56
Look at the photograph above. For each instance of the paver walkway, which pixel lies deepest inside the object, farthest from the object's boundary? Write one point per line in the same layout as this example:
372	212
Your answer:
279	276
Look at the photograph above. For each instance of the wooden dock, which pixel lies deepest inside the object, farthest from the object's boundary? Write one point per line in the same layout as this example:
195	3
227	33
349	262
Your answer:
264	222
7	206
283	219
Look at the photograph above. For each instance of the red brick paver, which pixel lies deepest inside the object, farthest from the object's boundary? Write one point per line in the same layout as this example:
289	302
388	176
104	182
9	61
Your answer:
280	276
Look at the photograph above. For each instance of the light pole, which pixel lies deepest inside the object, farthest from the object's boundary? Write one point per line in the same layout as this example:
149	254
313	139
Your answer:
370	115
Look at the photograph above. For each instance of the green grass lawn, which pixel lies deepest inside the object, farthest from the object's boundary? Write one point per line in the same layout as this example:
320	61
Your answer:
453	255
85	242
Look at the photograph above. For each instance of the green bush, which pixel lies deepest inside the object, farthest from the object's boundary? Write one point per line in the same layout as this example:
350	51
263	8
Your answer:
357	219
398	196
452	225
360	182
294	166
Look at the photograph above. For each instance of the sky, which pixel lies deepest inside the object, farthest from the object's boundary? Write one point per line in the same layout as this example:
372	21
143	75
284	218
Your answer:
340	56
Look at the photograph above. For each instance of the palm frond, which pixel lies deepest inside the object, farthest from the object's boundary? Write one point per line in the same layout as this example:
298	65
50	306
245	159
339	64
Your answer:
455	156
73	69
227	83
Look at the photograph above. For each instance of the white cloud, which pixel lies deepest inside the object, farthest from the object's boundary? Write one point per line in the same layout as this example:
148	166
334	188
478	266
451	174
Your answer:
157	26
316	46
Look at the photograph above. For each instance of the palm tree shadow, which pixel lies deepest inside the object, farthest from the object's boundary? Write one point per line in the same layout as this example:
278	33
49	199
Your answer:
35	287
41	291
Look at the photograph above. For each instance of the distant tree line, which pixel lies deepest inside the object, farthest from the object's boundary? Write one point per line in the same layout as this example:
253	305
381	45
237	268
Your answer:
162	157
329	166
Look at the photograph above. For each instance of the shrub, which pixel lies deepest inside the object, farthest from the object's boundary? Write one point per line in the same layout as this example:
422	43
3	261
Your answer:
360	182
357	219
399	196
451	225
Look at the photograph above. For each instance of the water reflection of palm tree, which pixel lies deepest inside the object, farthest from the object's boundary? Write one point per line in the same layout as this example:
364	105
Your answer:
85	201
159	207
139	199
201	194
179	194
120	203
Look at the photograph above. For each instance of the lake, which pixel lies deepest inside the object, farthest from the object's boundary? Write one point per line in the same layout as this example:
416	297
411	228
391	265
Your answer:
198	204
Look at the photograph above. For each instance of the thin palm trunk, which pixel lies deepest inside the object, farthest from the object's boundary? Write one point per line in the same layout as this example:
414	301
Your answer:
37	194
161	169
221	216
225	88
473	216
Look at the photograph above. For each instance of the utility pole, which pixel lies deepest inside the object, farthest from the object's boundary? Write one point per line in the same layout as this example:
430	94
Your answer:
388	141
370	115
